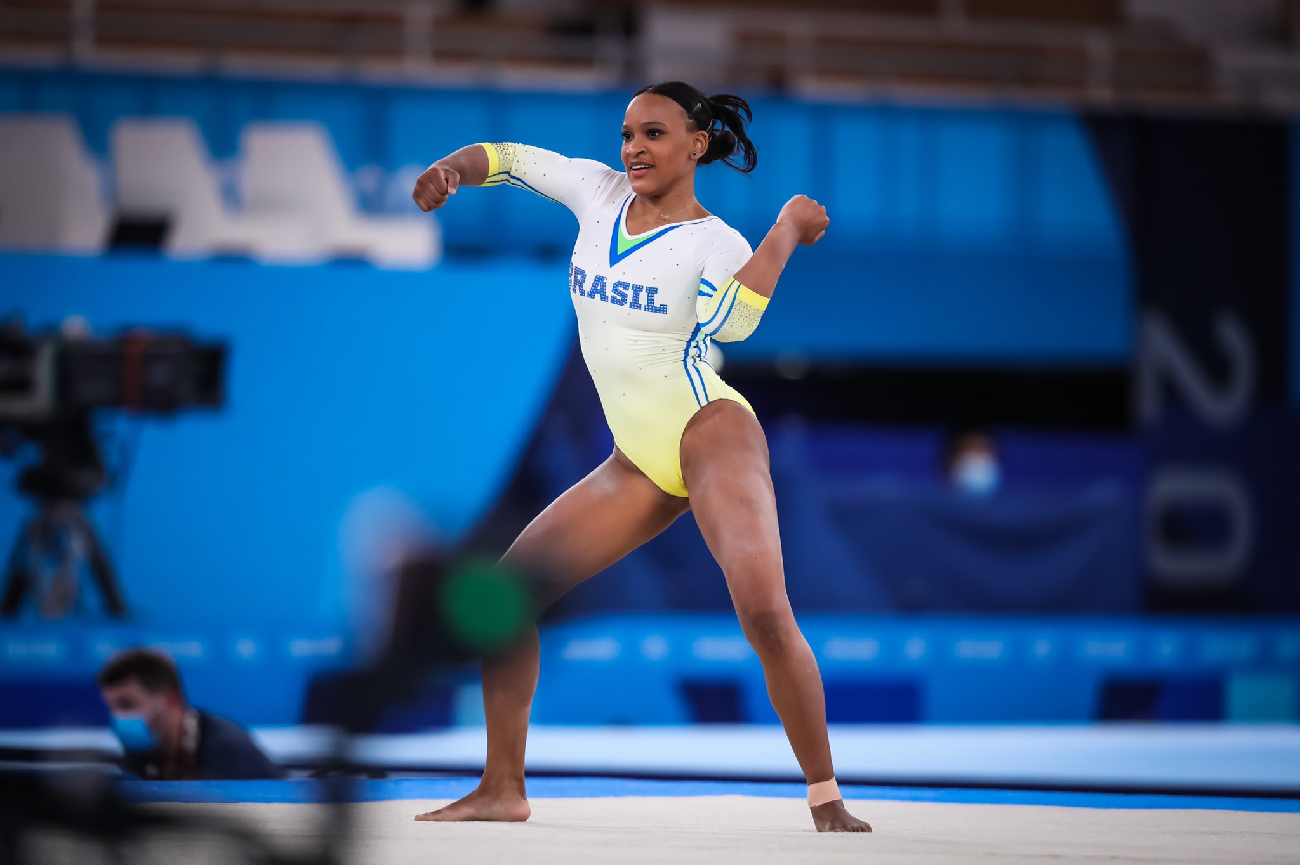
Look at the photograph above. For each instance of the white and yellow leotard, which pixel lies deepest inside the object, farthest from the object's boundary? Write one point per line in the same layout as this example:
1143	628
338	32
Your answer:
648	305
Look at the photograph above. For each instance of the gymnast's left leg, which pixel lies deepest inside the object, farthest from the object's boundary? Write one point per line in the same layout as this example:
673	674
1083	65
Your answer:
725	466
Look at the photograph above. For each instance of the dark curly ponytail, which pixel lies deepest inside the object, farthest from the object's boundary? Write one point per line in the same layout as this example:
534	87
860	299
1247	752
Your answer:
723	116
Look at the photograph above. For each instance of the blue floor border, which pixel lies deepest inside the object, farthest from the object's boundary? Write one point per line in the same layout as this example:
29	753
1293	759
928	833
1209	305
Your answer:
448	788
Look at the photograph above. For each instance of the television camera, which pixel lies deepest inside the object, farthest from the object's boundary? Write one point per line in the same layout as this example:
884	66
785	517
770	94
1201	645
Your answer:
51	386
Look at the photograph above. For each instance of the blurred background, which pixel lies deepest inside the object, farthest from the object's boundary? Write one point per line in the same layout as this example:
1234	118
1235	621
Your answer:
1033	403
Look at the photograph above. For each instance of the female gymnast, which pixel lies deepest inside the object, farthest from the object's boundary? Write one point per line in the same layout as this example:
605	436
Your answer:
654	278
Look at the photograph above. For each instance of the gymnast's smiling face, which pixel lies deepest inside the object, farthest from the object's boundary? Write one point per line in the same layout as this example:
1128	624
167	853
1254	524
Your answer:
658	143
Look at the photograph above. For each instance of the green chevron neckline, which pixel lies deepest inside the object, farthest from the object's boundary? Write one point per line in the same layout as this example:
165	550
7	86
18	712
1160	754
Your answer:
626	243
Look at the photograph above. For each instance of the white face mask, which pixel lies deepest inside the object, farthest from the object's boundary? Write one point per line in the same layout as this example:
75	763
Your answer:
977	475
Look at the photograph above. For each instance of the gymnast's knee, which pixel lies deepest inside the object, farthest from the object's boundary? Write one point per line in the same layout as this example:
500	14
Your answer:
771	628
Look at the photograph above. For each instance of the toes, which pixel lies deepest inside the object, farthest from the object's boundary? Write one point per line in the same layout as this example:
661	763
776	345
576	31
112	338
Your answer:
435	815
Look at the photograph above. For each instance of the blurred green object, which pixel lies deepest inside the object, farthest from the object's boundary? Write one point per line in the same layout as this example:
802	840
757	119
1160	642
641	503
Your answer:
485	605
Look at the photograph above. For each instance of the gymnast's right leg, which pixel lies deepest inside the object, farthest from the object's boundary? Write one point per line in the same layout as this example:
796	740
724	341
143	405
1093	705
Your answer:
593	525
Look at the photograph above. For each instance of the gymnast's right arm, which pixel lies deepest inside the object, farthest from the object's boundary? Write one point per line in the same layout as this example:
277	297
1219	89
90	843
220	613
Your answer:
574	183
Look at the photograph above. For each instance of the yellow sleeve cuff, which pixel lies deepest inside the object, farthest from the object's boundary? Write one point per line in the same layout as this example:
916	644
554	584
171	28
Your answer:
740	307
752	298
494	157
500	160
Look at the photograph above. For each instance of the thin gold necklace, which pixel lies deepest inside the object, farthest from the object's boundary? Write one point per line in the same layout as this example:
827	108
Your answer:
668	216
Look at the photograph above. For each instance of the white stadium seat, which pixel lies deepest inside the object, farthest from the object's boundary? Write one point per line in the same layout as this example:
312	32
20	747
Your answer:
292	170
50	196
163	170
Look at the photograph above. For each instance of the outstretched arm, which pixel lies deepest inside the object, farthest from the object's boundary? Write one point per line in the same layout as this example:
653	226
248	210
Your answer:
730	308
574	183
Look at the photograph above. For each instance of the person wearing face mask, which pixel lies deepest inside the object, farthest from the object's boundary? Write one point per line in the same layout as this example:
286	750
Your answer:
972	466
162	736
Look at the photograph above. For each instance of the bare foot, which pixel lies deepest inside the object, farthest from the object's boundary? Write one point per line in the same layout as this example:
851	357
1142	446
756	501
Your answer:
480	805
833	817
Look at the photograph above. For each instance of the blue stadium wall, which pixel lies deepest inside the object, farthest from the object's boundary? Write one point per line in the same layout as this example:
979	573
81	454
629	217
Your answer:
957	233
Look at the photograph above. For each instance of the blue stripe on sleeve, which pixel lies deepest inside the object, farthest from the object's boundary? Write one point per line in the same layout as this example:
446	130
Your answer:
722	301
519	183
718	327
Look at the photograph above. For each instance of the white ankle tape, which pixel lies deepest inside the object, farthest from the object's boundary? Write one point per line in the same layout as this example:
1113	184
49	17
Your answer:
821	793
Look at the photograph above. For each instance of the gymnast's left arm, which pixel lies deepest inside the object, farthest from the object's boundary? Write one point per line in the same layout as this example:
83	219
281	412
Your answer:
731	303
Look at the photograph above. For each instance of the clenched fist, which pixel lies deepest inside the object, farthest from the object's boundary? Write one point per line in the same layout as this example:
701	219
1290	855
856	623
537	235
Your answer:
806	216
435	186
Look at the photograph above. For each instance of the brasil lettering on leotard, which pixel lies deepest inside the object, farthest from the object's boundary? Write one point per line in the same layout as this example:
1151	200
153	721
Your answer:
620	293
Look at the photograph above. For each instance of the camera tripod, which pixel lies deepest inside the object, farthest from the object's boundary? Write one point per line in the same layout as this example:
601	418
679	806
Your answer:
59	541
